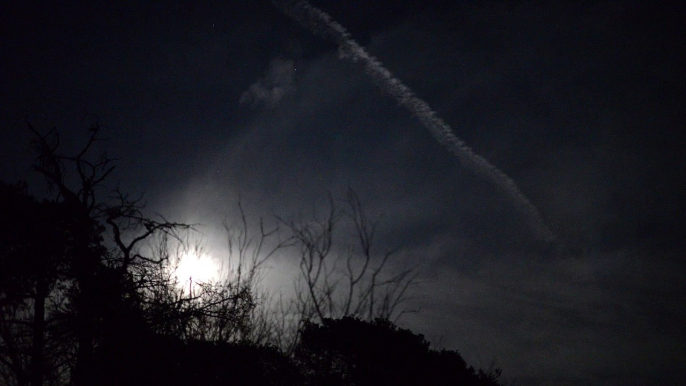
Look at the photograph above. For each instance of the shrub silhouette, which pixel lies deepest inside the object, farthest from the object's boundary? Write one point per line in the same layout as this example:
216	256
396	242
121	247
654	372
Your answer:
156	360
350	351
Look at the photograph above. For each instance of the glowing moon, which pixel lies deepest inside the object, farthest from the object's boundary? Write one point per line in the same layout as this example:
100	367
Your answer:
199	268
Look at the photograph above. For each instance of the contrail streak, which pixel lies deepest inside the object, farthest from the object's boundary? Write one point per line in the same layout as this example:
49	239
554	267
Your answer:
321	23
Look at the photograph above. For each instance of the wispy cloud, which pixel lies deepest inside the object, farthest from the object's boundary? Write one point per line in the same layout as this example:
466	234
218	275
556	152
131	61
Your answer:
278	81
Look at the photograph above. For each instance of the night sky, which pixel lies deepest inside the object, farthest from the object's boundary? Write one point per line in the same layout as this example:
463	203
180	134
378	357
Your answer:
579	102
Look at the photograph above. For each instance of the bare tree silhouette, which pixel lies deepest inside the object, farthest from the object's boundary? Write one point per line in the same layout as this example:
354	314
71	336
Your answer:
89	294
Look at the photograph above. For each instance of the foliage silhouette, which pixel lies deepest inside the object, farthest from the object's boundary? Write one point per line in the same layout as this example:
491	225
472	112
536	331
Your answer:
350	351
32	265
158	360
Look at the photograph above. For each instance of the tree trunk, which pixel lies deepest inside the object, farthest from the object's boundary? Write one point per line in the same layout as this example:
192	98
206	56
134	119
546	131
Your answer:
37	372
85	265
